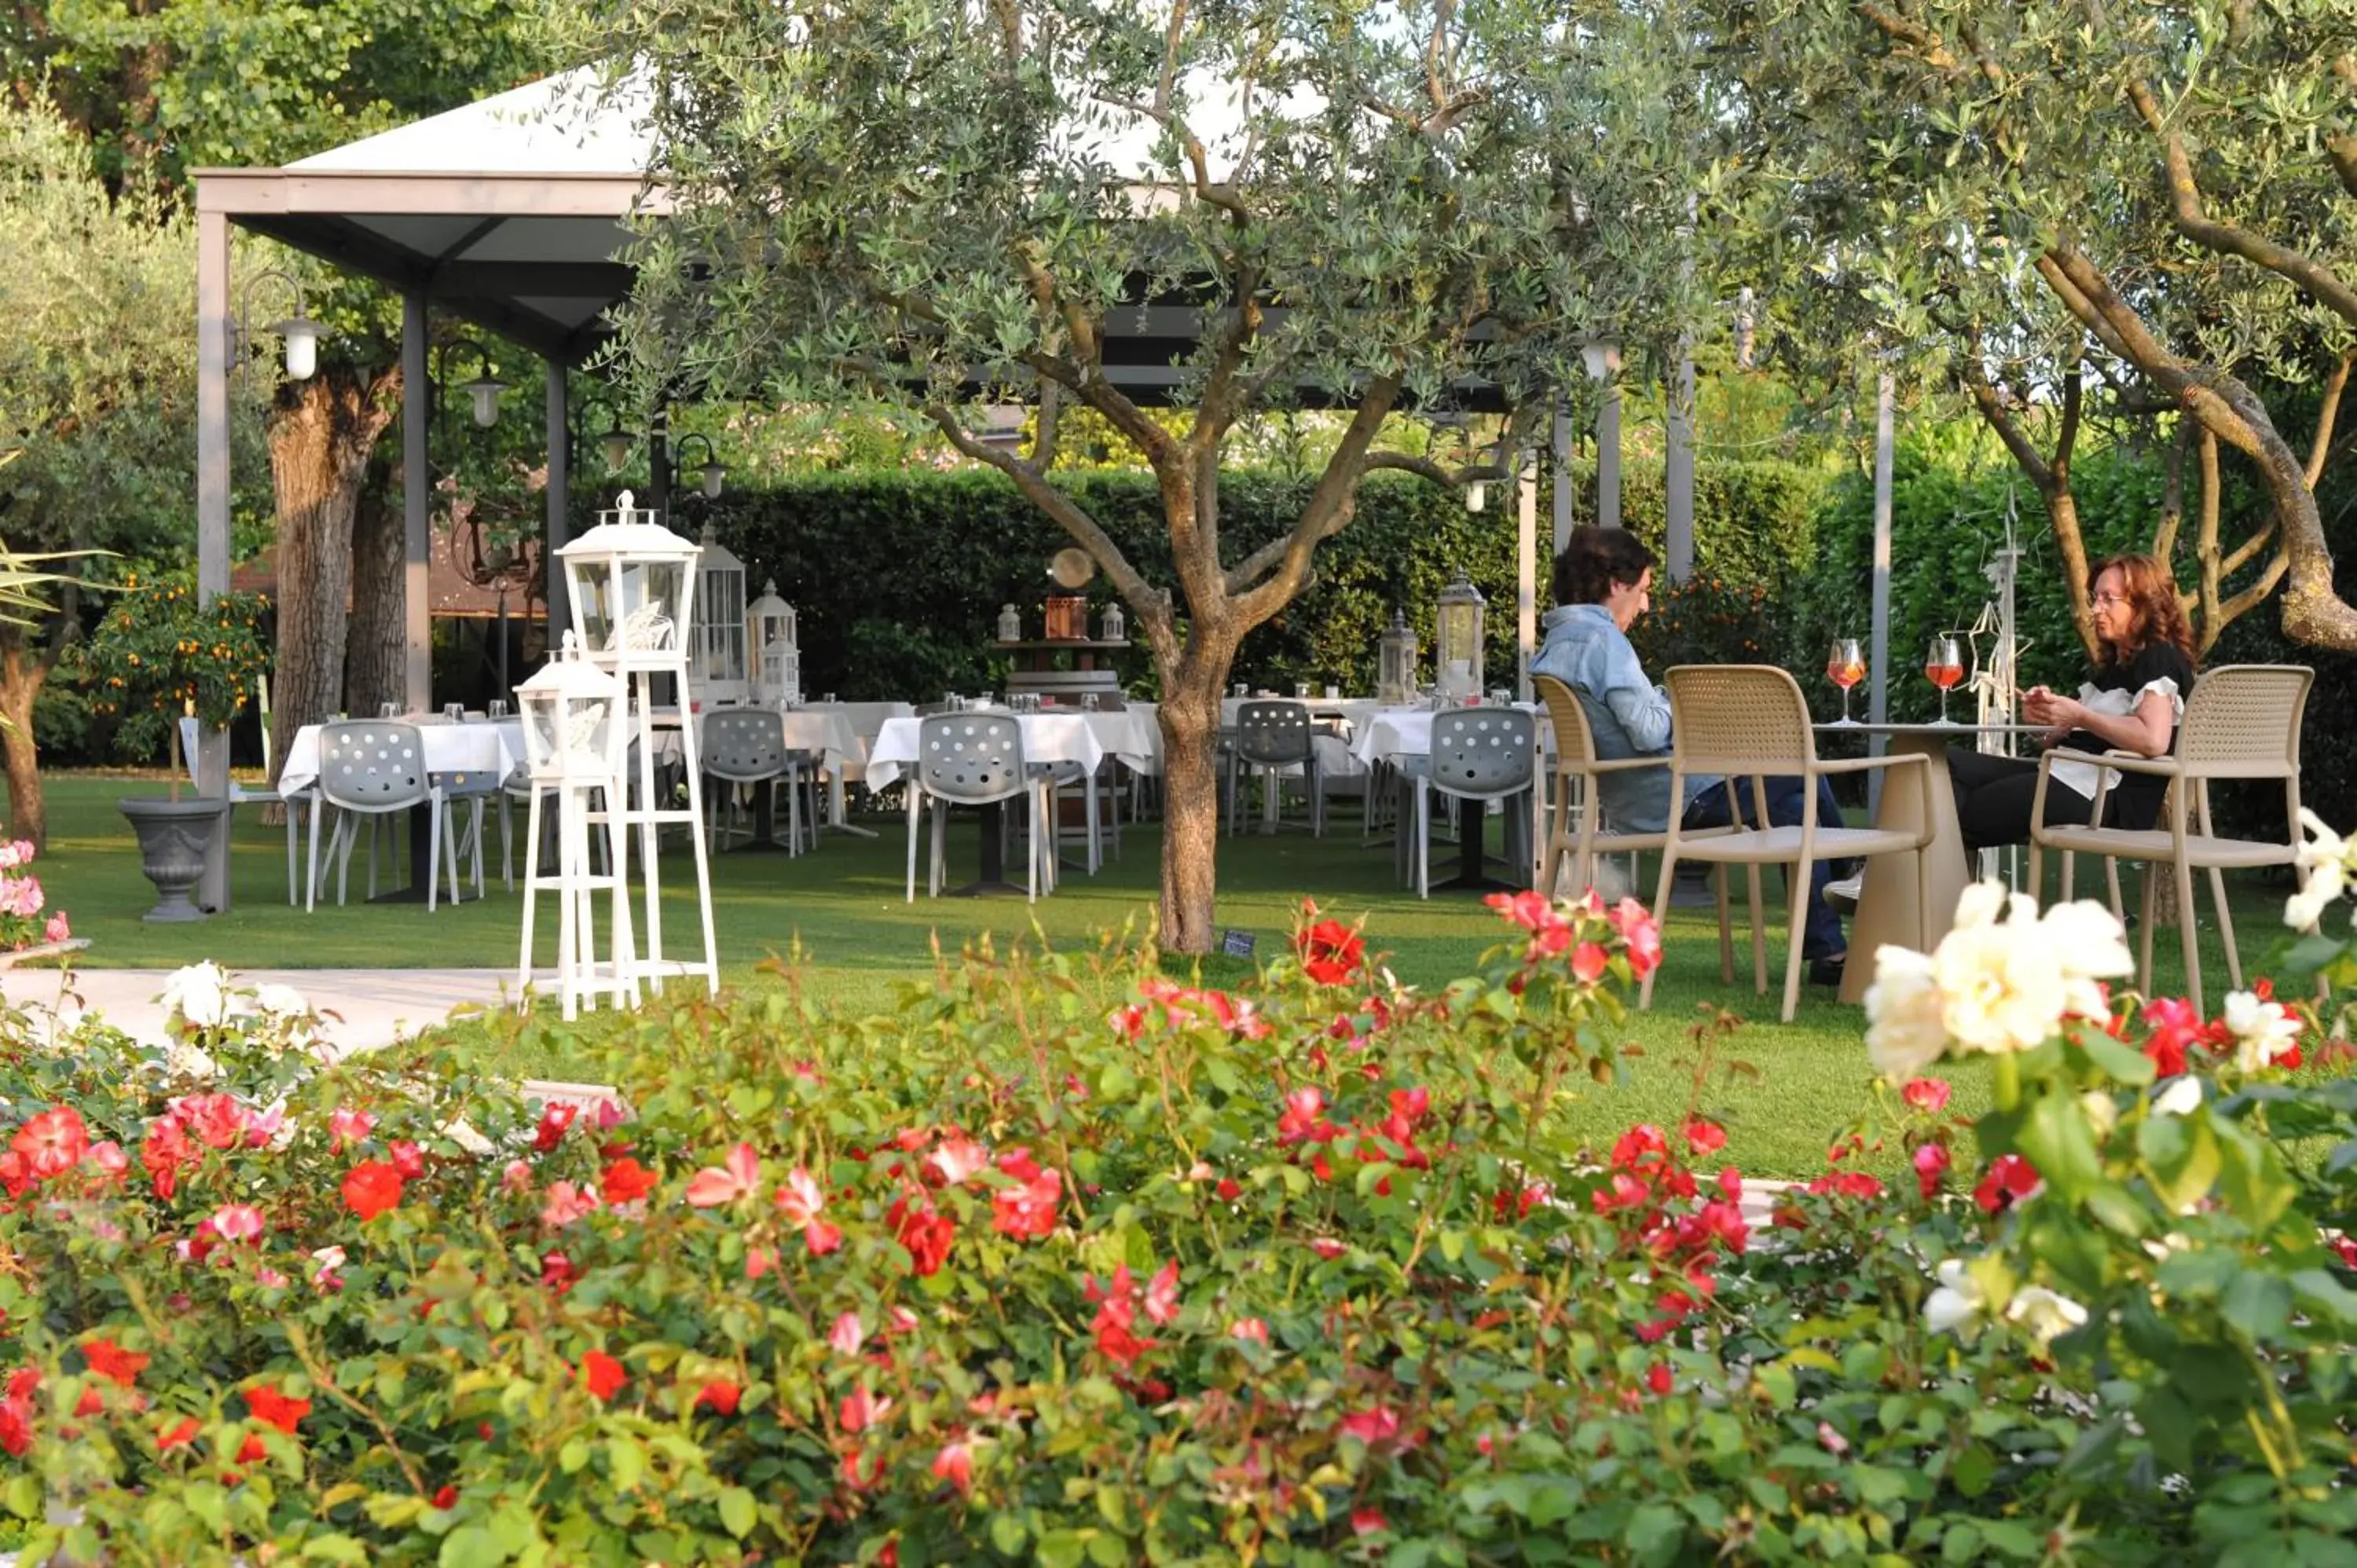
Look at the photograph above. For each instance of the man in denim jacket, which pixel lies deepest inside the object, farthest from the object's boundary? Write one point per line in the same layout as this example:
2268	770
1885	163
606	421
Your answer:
1603	582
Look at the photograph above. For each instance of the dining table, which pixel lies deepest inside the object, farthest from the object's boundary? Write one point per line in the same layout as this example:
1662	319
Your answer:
1888	911
473	745
1054	736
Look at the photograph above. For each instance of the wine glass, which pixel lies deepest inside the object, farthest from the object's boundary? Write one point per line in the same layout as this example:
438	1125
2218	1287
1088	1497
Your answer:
1846	666
1944	666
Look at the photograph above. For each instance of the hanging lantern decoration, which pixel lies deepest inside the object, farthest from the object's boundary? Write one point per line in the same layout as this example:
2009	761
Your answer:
576	735
719	672
776	650
1116	630
1011	624
1395	677
1456	638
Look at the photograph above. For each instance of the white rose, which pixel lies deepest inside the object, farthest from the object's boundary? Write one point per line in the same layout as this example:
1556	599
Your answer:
1955	1307
199	994
281	1000
2086	941
1905	1031
2042	1315
2001	986
7	857
2261	1030
2101	1110
2181	1097
2323	864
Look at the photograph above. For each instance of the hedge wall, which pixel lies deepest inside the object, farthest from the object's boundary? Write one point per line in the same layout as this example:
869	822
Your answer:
898	577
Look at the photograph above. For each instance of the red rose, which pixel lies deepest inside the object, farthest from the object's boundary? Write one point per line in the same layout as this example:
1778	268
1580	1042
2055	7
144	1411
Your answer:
2010	1179
281	1410
603	1375
372	1188
720	1395
552	1123
1027	1211
1331	952
408	1158
111	1360
627	1181
924	1232
447	1497
181	1434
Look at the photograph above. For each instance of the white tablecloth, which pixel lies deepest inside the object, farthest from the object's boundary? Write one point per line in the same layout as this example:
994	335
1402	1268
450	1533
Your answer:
1046	737
478	746
1407	732
826	731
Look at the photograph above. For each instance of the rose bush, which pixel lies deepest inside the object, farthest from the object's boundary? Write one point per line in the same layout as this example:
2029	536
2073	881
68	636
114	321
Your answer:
1065	1258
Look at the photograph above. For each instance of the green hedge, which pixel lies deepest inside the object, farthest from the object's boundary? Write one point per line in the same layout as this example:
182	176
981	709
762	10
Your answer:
899	576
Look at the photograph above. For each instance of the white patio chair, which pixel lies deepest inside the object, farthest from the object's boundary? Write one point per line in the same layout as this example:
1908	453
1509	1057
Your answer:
372	769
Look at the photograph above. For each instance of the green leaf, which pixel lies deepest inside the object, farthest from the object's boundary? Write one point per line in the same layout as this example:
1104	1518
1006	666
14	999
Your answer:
1007	1534
2121	1062
335	1549
1654	1531
2258	1305
2058	1140
471	1546
737	1512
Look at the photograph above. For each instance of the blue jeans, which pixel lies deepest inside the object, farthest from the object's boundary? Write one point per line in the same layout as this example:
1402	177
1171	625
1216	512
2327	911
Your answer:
1821	932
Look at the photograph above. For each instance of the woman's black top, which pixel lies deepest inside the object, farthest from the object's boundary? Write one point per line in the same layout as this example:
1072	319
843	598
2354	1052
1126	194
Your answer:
2135	798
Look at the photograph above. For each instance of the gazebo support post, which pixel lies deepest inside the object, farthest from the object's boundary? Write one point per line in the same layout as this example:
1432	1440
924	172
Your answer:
1526	585
1608	446
1877	708
416	610
1563	482
559	494
213	331
1678	469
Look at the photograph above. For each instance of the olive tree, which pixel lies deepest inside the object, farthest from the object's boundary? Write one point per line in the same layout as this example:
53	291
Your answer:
925	207
2068	209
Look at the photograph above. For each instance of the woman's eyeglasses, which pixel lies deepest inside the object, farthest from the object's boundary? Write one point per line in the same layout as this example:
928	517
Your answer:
2114	600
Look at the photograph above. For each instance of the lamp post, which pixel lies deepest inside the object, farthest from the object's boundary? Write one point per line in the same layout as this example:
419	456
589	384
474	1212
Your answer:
483	391
299	333
711	474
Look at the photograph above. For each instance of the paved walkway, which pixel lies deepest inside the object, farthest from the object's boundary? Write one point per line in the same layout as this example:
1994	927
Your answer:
360	1009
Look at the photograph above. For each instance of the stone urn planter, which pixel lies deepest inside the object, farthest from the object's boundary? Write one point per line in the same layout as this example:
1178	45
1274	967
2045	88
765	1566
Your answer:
173	834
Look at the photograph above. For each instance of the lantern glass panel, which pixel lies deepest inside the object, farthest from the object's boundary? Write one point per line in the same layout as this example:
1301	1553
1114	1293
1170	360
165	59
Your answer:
1396	672
1456	640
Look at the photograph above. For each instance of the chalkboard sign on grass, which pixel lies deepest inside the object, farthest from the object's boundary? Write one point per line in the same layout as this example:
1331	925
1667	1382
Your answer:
1236	944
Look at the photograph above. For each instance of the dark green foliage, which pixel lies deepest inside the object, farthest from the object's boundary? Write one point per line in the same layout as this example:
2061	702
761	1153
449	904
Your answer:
899	576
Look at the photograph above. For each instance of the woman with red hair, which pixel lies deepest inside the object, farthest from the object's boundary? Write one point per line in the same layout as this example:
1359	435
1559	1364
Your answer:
2132	702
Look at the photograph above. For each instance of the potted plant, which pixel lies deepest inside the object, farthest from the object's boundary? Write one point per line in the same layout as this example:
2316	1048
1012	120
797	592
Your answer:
159	655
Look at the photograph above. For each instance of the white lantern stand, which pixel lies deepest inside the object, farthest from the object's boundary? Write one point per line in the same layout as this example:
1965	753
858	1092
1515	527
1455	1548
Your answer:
777	650
1456	640
1396	676
576	735
720	667
632	586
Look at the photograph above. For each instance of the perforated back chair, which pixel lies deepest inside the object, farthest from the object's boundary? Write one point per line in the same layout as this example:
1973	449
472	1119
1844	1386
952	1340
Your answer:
2241	721
474	792
748	747
369	770
1578	832
972	759
1272	739
1749	722
1479	754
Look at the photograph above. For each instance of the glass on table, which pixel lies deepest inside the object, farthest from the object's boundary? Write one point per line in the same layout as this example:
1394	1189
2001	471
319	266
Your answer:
1944	666
498	707
388	709
1846	666
454	713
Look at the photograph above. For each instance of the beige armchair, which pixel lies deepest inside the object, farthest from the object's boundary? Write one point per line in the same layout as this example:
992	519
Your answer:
1749	721
2241	721
1577	833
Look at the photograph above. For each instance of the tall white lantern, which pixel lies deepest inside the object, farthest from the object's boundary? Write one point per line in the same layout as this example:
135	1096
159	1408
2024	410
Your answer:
1457	636
1395	679
776	649
576	735
632	584
719	672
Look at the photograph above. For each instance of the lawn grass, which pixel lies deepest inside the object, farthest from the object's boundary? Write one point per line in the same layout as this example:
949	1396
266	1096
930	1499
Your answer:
1797	1082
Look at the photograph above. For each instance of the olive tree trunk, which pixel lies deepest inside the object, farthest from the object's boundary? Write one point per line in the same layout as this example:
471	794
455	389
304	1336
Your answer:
376	652
24	670
1190	717
321	434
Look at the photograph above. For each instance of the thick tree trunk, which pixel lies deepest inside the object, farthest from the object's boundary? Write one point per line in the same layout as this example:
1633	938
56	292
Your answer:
376	655
321	435
22	673
1190	717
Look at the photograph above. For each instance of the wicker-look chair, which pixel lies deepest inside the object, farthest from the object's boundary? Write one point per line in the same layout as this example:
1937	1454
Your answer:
1579	834
2241	721
974	759
1749	721
1272	739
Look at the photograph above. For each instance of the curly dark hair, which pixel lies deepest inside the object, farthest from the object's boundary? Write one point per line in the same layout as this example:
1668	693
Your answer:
1594	560
2156	614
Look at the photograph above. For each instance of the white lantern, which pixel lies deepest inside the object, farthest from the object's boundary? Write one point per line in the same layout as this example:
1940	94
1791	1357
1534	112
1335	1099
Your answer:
576	733
776	649
631	583
1395	677
1115	629
1011	624
1456	638
718	674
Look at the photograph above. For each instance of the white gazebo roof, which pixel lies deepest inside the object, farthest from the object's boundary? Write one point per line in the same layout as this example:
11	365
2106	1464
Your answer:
569	123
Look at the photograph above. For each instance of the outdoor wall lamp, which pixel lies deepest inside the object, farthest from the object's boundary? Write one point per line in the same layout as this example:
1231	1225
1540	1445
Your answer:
614	442
484	390
711	474
298	331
